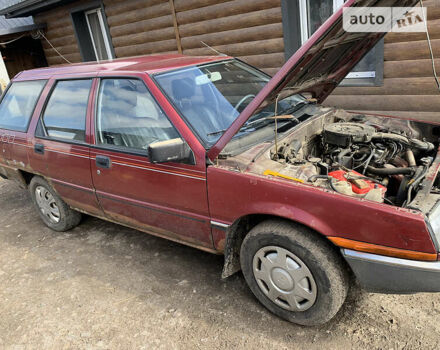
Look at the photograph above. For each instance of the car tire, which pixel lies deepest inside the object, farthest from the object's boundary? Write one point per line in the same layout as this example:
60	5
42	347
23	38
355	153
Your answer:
294	272
54	212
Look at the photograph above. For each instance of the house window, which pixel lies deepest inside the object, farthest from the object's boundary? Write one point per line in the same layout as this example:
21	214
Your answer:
97	30
92	32
313	13
301	18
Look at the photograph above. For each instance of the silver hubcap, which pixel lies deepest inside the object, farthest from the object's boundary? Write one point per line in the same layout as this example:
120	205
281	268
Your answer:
47	204
284	278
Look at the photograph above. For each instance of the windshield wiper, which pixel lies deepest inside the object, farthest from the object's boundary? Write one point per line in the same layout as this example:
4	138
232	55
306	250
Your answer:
272	118
285	116
216	132
296	106
246	126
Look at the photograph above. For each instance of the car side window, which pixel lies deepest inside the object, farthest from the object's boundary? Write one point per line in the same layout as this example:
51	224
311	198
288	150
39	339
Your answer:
128	116
65	114
18	104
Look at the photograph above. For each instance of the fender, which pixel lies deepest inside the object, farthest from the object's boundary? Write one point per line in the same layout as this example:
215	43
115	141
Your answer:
236	195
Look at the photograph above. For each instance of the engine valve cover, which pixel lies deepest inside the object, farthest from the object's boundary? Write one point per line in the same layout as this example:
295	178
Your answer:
344	134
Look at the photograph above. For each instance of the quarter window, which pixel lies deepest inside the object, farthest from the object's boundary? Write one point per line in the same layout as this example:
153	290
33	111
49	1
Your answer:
18	104
65	113
128	116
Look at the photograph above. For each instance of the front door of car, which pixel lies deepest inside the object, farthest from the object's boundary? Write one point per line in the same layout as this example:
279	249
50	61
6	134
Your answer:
168	199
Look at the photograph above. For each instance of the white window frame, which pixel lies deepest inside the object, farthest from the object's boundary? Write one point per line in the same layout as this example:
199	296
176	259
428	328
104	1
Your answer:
305	34
108	50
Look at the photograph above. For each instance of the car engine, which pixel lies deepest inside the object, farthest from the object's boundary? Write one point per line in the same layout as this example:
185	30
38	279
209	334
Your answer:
360	158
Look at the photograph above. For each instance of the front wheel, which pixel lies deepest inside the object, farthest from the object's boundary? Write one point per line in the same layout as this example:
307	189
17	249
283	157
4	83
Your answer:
54	212
293	272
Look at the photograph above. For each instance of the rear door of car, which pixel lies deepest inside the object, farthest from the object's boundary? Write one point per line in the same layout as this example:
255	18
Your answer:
168	199
60	151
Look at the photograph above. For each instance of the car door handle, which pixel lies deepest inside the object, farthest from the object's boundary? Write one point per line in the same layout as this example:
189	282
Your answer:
103	162
39	148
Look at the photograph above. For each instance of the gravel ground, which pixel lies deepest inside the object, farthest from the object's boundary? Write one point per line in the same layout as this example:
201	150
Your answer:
104	286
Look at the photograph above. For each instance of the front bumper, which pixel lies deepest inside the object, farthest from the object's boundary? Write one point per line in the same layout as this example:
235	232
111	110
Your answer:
383	274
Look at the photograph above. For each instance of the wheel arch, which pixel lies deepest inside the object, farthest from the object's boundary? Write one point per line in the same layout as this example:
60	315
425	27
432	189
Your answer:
26	177
20	177
236	233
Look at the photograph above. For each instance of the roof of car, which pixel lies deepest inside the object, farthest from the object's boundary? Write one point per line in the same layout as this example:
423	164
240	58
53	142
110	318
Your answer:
150	64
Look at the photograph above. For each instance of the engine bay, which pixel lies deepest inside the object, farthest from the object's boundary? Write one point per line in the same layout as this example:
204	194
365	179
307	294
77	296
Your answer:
381	159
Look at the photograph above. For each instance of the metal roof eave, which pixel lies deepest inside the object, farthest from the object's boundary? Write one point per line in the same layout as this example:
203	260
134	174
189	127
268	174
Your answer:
21	29
29	7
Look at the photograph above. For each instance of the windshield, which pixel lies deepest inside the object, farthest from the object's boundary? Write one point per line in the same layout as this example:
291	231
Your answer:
211	96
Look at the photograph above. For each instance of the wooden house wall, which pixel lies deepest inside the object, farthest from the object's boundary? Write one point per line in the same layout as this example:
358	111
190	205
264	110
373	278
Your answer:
409	87
61	34
253	31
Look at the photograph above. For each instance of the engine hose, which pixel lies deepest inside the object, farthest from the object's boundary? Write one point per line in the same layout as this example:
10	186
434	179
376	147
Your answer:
326	177
410	158
332	186
422	145
367	162
313	178
414	143
365	178
391	171
387	136
421	173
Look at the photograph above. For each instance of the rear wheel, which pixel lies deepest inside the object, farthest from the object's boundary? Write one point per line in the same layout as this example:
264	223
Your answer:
293	272
54	212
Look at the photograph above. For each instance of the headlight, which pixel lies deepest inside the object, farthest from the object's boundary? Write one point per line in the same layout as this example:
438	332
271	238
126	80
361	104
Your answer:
434	224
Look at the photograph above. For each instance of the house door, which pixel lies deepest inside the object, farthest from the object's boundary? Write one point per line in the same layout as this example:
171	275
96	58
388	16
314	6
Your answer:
167	199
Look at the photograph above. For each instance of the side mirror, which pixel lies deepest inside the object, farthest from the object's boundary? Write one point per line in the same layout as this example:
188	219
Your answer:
174	150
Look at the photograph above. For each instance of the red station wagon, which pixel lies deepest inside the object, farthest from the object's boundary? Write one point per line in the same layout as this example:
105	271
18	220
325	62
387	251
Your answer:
213	153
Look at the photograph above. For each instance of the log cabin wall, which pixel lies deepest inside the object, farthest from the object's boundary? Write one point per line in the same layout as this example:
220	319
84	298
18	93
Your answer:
61	34
253	31
250	30
141	27
409	87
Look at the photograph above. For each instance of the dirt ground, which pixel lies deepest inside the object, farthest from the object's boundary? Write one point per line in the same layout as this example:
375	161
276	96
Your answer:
104	286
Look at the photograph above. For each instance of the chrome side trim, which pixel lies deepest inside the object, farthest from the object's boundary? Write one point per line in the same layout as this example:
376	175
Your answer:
159	171
19	144
219	225
67	153
387	260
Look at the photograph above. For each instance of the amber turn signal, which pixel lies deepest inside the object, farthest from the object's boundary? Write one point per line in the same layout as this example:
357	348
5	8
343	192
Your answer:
382	250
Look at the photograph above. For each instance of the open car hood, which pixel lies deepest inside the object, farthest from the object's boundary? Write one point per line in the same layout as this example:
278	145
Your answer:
317	67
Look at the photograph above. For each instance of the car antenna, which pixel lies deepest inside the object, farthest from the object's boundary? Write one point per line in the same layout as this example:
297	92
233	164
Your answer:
276	127
430	46
209	47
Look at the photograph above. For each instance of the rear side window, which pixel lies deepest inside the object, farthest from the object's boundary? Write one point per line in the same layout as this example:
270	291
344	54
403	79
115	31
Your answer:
65	113
18	104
